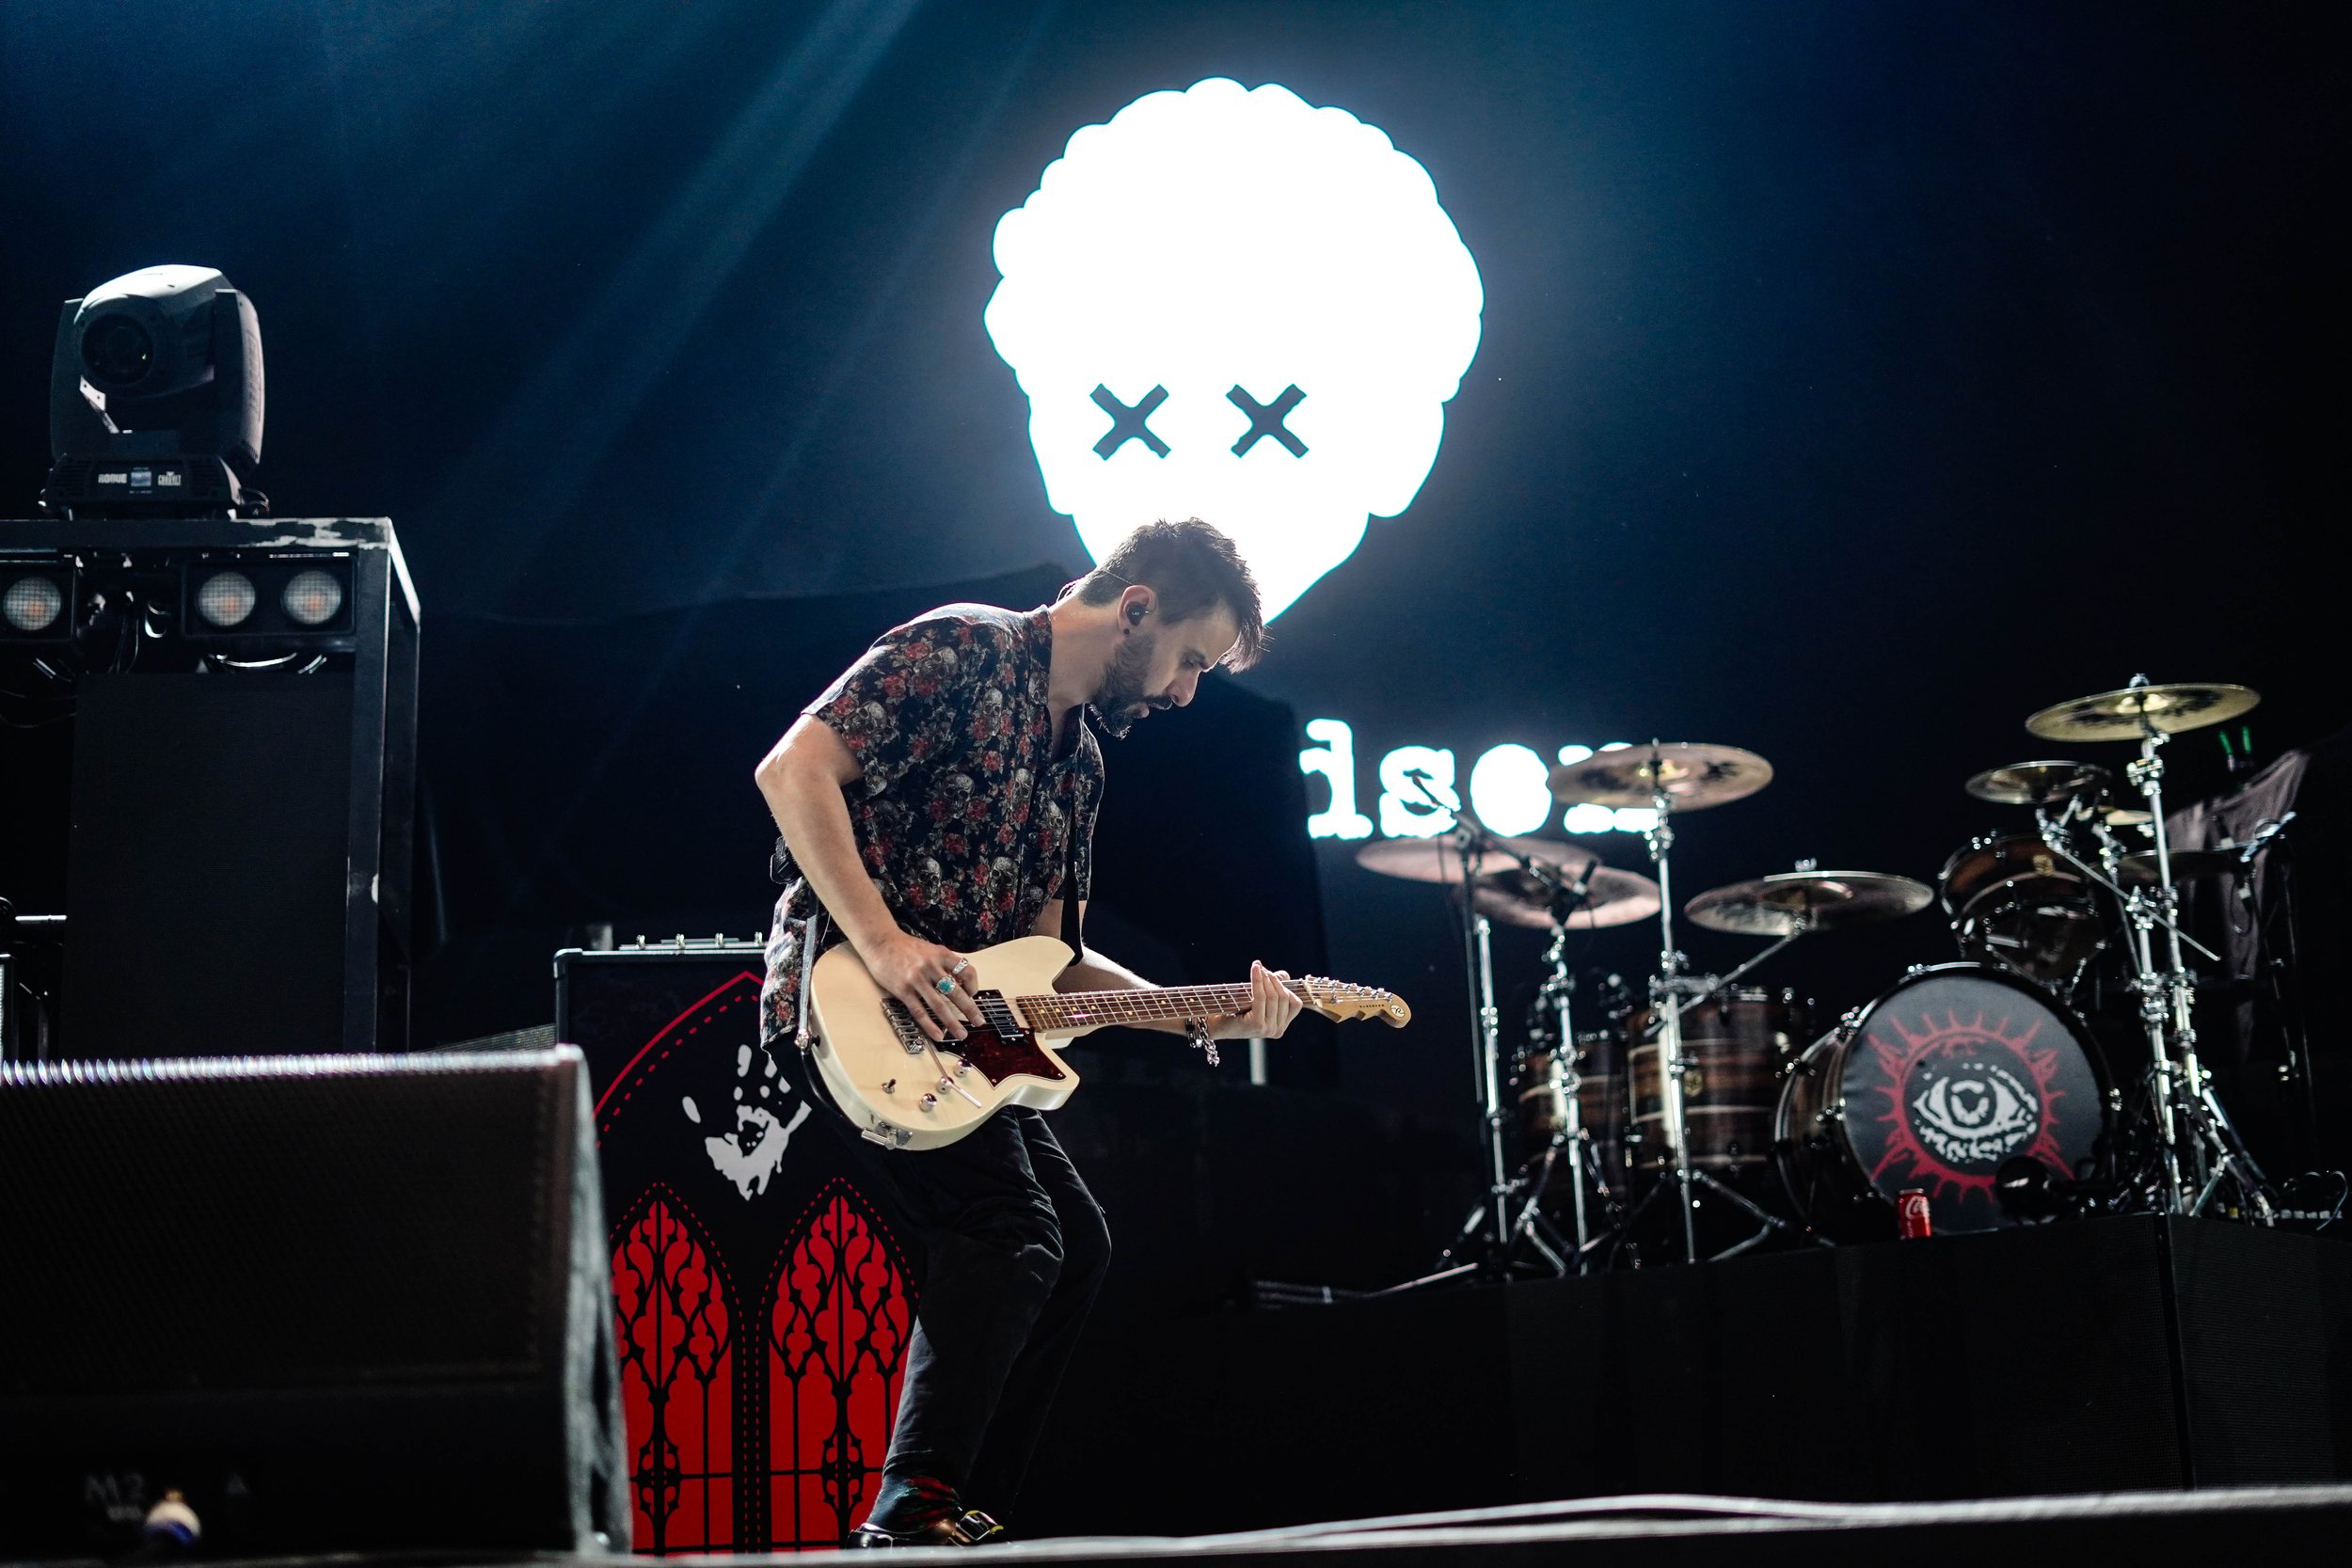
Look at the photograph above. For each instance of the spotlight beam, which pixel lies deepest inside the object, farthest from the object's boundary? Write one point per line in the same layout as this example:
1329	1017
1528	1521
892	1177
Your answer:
592	383
820	556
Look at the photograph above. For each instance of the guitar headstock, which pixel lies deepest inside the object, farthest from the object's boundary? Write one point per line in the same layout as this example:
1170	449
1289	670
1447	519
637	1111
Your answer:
1344	1003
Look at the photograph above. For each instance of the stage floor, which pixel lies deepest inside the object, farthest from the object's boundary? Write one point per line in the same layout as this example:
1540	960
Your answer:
2251	1524
2133	1355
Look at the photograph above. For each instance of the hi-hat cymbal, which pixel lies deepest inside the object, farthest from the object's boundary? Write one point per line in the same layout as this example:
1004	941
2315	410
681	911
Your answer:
2038	783
1793	901
2128	713
2123	816
1692	775
1439	860
1612	897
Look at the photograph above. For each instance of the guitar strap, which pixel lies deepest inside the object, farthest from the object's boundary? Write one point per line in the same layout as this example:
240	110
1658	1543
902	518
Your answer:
812	933
1072	921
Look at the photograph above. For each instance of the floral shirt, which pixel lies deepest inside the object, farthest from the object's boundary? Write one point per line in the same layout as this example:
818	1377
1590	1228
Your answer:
963	813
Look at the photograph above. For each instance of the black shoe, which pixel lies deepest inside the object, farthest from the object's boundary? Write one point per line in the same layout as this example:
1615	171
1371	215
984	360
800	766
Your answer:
970	1528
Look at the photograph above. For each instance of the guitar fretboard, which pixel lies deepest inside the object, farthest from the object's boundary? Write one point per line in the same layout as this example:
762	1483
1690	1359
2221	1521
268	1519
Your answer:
1086	1009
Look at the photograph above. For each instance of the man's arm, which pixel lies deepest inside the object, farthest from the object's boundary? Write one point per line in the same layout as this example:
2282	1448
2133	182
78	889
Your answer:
802	779
1272	1005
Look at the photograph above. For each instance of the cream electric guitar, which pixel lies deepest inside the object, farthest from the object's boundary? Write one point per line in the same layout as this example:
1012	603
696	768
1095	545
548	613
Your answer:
904	1092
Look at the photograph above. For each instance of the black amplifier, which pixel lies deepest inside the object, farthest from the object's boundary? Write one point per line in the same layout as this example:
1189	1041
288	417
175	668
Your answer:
764	1295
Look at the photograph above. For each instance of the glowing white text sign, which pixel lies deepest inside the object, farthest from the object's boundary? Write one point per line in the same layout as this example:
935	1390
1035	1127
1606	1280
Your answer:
1419	793
1232	305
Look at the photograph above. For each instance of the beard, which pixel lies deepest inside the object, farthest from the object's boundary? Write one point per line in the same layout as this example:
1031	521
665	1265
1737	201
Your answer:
1125	694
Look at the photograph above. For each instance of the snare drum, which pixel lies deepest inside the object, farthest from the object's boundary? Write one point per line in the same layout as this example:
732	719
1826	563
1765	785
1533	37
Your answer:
1955	1069
1735	1049
2012	902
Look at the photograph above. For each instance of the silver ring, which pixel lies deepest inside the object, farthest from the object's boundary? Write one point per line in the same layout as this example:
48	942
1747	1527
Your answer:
946	984
961	964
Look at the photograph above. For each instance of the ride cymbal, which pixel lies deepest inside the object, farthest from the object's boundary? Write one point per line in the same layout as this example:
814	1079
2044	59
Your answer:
2129	713
1612	897
2038	783
1439	859
1692	775
1793	901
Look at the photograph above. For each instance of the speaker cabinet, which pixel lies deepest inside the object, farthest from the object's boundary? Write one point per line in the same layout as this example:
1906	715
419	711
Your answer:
214	779
335	1301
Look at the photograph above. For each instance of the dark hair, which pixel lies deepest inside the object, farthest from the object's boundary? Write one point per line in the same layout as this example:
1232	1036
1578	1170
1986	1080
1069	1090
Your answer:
1193	568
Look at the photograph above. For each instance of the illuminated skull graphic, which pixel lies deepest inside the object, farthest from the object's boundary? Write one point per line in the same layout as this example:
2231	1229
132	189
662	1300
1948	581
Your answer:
1230	304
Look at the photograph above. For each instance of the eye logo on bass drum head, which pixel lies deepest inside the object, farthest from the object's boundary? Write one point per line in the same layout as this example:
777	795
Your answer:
1975	1113
1956	1072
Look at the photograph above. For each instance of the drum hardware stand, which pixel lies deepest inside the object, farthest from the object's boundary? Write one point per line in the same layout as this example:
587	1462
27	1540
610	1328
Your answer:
1668	1007
2192	1167
1525	1187
1555	996
1670	994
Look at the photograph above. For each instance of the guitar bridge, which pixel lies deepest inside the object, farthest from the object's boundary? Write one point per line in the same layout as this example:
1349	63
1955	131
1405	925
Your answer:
903	1025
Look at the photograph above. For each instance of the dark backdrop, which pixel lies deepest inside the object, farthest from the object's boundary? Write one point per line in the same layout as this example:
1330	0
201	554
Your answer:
1855	379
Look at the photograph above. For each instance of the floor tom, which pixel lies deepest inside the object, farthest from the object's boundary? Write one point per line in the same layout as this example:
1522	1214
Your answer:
1735	1048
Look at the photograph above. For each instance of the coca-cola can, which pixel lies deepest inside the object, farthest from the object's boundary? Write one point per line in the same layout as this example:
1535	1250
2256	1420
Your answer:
1911	1213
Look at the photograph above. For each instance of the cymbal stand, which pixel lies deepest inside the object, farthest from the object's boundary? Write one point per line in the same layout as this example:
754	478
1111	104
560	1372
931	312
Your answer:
2180	1092
1667	1004
2214	1153
1557	993
1671	995
1492	1213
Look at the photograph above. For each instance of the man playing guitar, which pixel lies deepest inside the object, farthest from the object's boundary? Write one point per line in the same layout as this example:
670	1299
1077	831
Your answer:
940	797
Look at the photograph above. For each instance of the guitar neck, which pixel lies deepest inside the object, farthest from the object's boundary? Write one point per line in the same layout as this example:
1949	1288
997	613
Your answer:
1091	1010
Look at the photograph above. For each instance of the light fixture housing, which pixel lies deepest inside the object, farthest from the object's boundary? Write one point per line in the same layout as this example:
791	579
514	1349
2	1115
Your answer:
287	601
155	399
38	597
225	600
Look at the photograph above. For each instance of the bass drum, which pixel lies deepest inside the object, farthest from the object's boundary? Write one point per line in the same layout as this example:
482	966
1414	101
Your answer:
1957	1069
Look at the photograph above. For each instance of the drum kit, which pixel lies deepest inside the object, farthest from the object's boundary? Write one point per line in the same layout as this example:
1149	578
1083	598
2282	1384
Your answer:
1706	1102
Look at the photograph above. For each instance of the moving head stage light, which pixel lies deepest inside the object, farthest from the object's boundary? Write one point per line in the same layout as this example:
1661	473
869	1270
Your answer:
155	400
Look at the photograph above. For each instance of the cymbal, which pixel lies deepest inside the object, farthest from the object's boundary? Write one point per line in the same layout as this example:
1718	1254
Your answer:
2038	783
2127	714
1694	776
1613	898
2138	869
1781	905
1439	860
2123	816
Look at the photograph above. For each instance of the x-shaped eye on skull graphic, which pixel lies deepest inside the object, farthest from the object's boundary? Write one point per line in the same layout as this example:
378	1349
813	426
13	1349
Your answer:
1266	418
1128	424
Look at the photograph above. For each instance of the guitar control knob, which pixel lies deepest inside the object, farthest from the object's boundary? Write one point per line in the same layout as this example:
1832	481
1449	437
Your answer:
962	1066
946	1086
930	1101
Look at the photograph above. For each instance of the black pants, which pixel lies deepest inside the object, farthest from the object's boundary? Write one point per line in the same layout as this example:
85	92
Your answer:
1018	1249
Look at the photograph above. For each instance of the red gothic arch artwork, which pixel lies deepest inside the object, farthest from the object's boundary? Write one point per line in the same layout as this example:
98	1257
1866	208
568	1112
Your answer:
839	1316
677	1343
